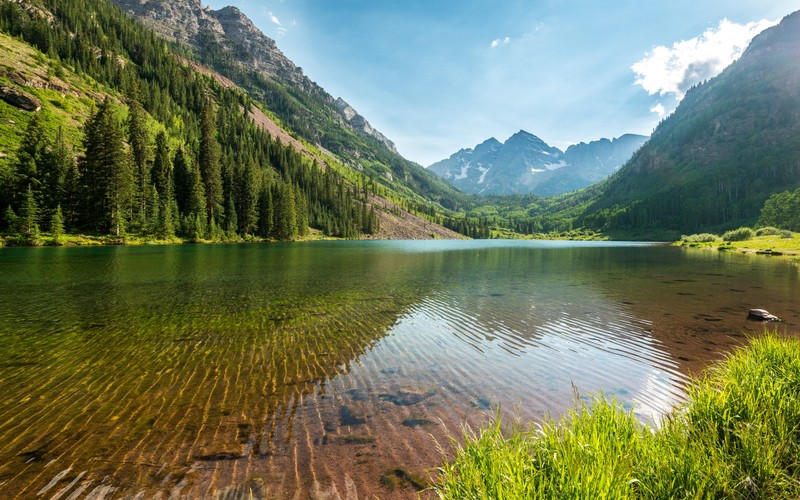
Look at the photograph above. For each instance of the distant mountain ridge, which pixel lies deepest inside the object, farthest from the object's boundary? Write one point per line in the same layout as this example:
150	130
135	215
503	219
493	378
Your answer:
525	164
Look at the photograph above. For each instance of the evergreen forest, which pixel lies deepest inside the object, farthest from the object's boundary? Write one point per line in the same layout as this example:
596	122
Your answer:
164	150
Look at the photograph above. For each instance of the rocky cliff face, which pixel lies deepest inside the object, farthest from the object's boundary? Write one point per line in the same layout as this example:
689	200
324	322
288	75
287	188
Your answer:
176	21
188	22
526	164
360	124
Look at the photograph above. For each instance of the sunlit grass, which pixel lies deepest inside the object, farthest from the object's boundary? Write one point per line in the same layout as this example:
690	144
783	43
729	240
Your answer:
72	240
785	242
738	436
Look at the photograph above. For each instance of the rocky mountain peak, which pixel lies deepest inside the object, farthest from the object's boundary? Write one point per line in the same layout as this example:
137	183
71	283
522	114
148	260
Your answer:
488	145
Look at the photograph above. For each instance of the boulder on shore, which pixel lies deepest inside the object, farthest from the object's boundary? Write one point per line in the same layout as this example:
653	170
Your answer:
761	315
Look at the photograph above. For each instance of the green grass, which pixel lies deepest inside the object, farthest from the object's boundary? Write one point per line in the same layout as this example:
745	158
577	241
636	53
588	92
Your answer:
782	243
738	436
76	240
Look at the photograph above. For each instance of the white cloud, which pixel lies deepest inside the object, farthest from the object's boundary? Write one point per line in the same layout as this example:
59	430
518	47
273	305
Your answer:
280	29
659	110
274	19
674	70
500	41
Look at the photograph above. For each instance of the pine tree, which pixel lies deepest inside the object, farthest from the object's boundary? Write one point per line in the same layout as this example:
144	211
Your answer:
11	220
30	157
265	212
139	140
248	194
198	200
54	171
199	226
373	225
165	229
184	179
153	222
210	168
57	226
162	168
29	220
231	218
71	196
105	172
284	215
301	213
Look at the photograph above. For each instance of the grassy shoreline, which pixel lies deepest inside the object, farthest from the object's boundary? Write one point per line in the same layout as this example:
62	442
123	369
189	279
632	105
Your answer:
737	436
776	245
82	240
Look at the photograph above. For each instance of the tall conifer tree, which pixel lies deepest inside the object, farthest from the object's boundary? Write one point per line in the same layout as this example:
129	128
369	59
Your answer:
105	173
139	140
210	160
31	155
162	167
54	170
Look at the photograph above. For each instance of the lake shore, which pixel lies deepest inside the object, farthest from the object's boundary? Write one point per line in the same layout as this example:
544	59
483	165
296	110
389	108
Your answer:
774	245
733	438
88	240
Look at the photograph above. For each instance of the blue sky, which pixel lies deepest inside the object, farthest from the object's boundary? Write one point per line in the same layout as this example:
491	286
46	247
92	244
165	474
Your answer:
436	76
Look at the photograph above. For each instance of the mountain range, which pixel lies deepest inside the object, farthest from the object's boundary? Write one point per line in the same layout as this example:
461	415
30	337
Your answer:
525	164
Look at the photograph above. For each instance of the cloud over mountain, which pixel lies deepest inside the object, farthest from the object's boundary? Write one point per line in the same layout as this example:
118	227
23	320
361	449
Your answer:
674	70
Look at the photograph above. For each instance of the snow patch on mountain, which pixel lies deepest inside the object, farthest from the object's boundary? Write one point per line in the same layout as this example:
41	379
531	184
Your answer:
484	171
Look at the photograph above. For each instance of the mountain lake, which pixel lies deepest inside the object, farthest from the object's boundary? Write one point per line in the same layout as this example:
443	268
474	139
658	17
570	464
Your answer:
339	369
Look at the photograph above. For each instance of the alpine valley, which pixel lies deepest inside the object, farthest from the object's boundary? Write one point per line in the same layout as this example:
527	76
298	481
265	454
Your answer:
139	358
212	86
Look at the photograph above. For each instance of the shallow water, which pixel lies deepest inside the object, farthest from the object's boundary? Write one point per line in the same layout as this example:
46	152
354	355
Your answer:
315	369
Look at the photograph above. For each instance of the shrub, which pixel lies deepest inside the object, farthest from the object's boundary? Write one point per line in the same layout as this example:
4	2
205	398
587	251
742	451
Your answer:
768	231
700	238
741	234
786	234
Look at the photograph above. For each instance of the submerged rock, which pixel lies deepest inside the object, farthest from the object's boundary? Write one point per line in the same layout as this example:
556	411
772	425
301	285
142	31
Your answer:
348	417
406	397
399	477
761	315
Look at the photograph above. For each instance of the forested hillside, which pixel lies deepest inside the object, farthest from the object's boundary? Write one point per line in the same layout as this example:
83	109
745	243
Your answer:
131	139
229	43
732	142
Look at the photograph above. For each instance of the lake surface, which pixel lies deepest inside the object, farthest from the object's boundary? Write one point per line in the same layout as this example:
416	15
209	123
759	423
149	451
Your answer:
317	370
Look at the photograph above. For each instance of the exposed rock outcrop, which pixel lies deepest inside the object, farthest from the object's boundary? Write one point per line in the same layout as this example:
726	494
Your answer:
361	125
19	98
